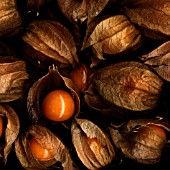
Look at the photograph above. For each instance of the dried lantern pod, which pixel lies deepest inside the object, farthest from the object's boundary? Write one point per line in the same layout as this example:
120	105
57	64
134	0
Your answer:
127	87
50	42
10	127
112	35
10	18
53	80
151	16
92	145
158	60
50	142
94	8
141	139
76	11
13	75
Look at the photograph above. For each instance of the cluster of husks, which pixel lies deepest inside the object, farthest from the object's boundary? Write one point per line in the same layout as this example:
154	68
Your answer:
98	53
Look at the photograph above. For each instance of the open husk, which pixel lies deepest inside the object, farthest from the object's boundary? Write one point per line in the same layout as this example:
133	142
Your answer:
51	81
50	142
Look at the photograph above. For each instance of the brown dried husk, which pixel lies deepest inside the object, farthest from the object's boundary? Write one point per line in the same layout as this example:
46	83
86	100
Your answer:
10	18
151	16
123	87
11	128
47	140
73	10
50	42
113	35
159	60
51	81
76	11
95	7
92	145
13	75
132	138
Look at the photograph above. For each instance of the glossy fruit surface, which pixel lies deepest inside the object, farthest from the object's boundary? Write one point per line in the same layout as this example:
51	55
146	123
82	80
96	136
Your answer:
38	151
58	105
159	130
1	126
79	76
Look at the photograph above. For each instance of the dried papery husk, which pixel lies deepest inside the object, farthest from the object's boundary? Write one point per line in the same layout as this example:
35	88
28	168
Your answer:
95	7
51	81
124	86
50	142
76	11
151	16
11	129
112	35
10	18
13	75
159	60
50	42
140	142
92	145
73	10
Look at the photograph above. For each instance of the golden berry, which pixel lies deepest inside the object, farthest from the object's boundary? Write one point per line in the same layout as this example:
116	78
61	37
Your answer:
79	76
58	105
38	151
1	126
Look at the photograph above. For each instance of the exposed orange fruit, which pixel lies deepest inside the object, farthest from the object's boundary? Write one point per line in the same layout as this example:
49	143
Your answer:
58	105
79	76
38	151
1	126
